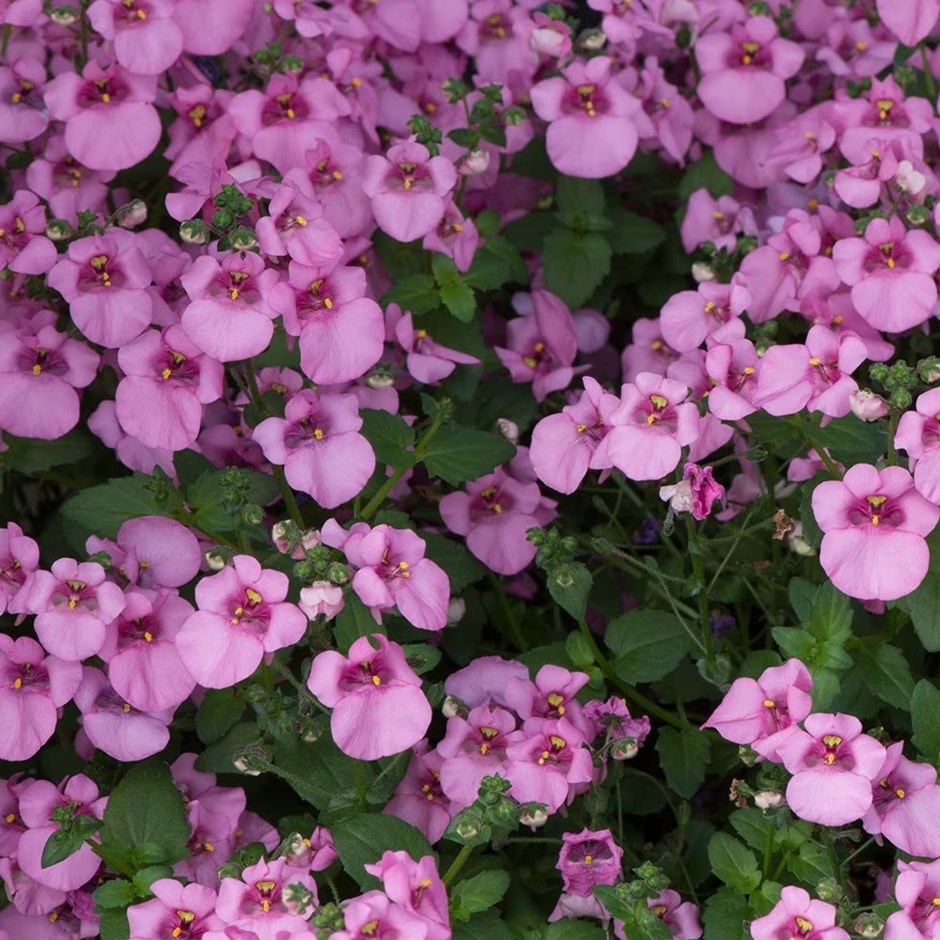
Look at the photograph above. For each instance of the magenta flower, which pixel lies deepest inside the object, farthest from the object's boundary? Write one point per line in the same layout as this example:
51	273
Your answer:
564	444
144	665
816	376
762	712
104	280
33	687
407	188
542	345
613	717
229	317
378	706
918	434
591	128
473	748
875	523
38	801
188	909
696	493
798	915
271	899
319	445
110	120
588	858
326	307
393	572
833	766
905	805
22	115
688	317
373	913
651	426
427	361
744	72
455	236
890	272
147	40
73	605
909	22
546	763
40	370
732	366
24	249
917	885
211	27
334	170
167	381
484	681
241	617
681	917
417	887
551	695
19	558
419	798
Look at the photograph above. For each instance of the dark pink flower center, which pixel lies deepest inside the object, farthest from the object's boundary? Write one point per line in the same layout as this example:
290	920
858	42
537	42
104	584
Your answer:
588	853
656	410
100	273
831	750
495	26
554	751
315	299
749	54
248	609
75	594
173	366
103	91
890	255
588	99
325	173
284	107
371	674
140	630
134	13
307	432
26	677
490	502
235	285
407	176
876	510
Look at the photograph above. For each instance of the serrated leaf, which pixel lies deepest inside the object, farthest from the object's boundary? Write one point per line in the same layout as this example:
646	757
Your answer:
726	916
102	510
219	757
632	234
812	863
114	894
320	773
570	585
888	674
683	756
62	844
575	264
487	925
574	194
925	716
648	644
733	863
31	455
362	839
457	454
417	293
390	437
752	826
480	892
456	294
219	711
114	926
461	567
567	929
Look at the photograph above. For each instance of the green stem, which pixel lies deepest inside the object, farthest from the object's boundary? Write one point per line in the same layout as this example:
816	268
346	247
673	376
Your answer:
829	463
698	569
893	430
458	863
421	447
928	76
514	628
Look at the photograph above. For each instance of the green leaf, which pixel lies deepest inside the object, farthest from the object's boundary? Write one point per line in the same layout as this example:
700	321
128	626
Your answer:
925	716
362	839
219	757
457	454
102	510
570	585
648	644
567	929
29	455
705	174
461	567
726	916
850	440
421	657
320	773
683	756
481	892
146	807
62	844
734	864
113	894
219	711
575	264
416	293
752	826
208	496
485	926
923	604
389	436
456	294
574	194
812	864
888	674
632	234
354	621
528	233
114	926
496	264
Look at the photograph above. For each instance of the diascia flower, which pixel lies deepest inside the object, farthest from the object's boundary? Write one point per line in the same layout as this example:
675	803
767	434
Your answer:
798	915
378	706
875	524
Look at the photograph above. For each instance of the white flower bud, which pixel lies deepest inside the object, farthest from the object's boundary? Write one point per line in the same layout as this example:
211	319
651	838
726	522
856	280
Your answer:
456	608
702	272
769	799
508	429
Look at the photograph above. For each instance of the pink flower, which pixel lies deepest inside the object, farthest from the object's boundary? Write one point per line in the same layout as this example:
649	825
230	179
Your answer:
147	40
744	71
681	917
564	444
229	317
373	911
689	317
22	116
890	272
718	221
319	445
167	381
378	706
73	605
110	121
104	280
321	599
241	617
189	909
211	27
393	572
417	887
589	858
419	798
19	557
651	425
484	681
33	687
917	885
24	249
833	766
696	493
797	915
551	695
427	361
874	523
910	22
542	345
407	188
918	434
591	132
905	805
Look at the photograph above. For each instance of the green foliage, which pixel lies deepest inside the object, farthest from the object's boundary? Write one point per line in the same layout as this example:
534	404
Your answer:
683	756
362	839
734	864
477	894
647	644
460	454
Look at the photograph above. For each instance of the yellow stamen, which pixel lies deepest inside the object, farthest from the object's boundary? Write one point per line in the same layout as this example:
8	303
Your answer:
300	220
336	175
899	793
234	293
815	361
37	369
784	256
125	708
166	373
581	428
11	817
588	859
317	434
17	684
148	636
658	402
254	598
106	98
208	846
376	680
769	703
557	742
328	303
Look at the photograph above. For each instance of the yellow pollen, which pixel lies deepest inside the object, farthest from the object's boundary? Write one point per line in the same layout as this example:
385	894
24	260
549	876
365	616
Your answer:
530	362
890	262
831	740
336	175
556	742
408	183
747	60
664	103
53	917
876	501
658	402
747	370
98	262
234	293
148	636
555	699
588	859
876	154
804	925
545	756
484	748
125	708
651	420
197	115
899	793
376	680
11	817
813	205
426	883
208	846
837	320
317	434
265	905
141	14
539	347
656	345
291	114
430	107
421	334
254	598
265	887
496	508
176	931
815	361
73	603
369	928
769	703
37	369
784	256
861	46
356	82
581	428
16	97
328	303
809	135
3	232
935	902
875	520
166	373
489	732
456	227
106	98
300	220
17	684
711	306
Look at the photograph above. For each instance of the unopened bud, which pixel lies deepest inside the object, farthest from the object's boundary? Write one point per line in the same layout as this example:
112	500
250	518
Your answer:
456	608
592	40
380	377
468	827
869	925
550	42
133	214
508	429
453	707
702	272
624	749
901	399
868	406
337	573
798	544
474	163
194	232
64	16
252	515
58	230
215	560
769	799
534	816
929	370
829	890
243	239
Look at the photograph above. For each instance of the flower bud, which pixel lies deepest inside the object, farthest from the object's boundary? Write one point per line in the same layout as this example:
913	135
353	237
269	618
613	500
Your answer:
797	543
337	573
215	560
380	377
133	214
64	16
769	799
624	749
58	230
702	272
869	925
534	816
551	42
194	232
868	406
243	239
829	890
508	429
453	707
456	608
474	163
592	40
